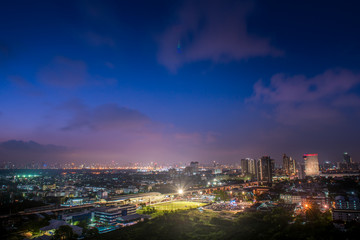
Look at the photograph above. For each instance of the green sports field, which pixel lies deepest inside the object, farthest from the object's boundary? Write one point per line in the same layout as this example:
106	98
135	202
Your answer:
178	205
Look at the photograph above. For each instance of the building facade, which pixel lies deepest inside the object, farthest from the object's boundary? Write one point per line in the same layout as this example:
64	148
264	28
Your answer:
111	215
311	164
265	165
289	165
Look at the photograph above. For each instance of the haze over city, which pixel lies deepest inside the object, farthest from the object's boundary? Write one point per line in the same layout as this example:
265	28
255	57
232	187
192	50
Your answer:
179	120
178	81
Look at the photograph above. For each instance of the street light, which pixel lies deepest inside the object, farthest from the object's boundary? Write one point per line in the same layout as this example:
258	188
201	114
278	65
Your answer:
180	191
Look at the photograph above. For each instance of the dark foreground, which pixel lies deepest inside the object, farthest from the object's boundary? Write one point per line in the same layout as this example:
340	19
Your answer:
277	224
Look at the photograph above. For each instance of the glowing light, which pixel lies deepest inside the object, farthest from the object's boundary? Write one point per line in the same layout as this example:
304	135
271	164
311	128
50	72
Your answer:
180	191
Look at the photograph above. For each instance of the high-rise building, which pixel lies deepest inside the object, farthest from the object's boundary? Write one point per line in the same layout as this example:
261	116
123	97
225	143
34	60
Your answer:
248	166
347	158
311	164
289	165
327	165
252	169
265	170
194	166
245	166
301	171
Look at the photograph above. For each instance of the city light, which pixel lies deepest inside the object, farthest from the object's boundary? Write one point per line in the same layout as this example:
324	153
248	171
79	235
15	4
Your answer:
187	120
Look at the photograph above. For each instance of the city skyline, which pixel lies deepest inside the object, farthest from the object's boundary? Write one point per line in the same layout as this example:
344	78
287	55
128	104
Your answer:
178	81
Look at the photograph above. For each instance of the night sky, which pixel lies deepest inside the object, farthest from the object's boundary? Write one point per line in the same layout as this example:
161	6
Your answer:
178	81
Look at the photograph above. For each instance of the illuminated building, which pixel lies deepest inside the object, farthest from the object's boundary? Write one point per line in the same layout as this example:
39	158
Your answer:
301	171
252	167
111	215
72	218
346	215
194	166
347	158
291	198
351	203
311	164
346	209
289	165
248	165
265	170
244	166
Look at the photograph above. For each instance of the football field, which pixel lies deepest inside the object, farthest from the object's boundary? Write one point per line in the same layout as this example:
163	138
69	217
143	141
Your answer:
177	205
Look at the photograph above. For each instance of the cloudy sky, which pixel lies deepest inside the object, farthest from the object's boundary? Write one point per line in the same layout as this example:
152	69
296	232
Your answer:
176	81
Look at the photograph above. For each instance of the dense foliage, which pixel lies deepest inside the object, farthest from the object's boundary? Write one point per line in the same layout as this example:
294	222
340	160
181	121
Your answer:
277	224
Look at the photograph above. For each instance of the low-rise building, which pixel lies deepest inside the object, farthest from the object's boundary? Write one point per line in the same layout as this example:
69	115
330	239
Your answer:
291	198
346	215
347	203
72	218
111	215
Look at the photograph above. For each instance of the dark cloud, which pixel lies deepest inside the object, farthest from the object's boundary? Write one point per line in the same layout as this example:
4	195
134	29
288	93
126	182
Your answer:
103	117
299	99
22	151
64	72
211	30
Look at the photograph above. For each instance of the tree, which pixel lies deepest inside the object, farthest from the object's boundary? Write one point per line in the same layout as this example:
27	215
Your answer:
92	233
313	213
221	195
64	232
83	224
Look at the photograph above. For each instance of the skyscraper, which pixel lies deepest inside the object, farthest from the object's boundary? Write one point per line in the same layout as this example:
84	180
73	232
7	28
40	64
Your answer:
311	164
265	170
245	166
347	158
252	169
301	171
248	166
289	165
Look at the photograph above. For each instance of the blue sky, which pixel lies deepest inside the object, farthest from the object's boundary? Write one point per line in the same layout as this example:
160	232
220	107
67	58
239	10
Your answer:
106	81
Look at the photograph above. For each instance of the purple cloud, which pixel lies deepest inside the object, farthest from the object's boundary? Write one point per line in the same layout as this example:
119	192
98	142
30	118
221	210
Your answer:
64	72
209	30
103	117
16	151
298	99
